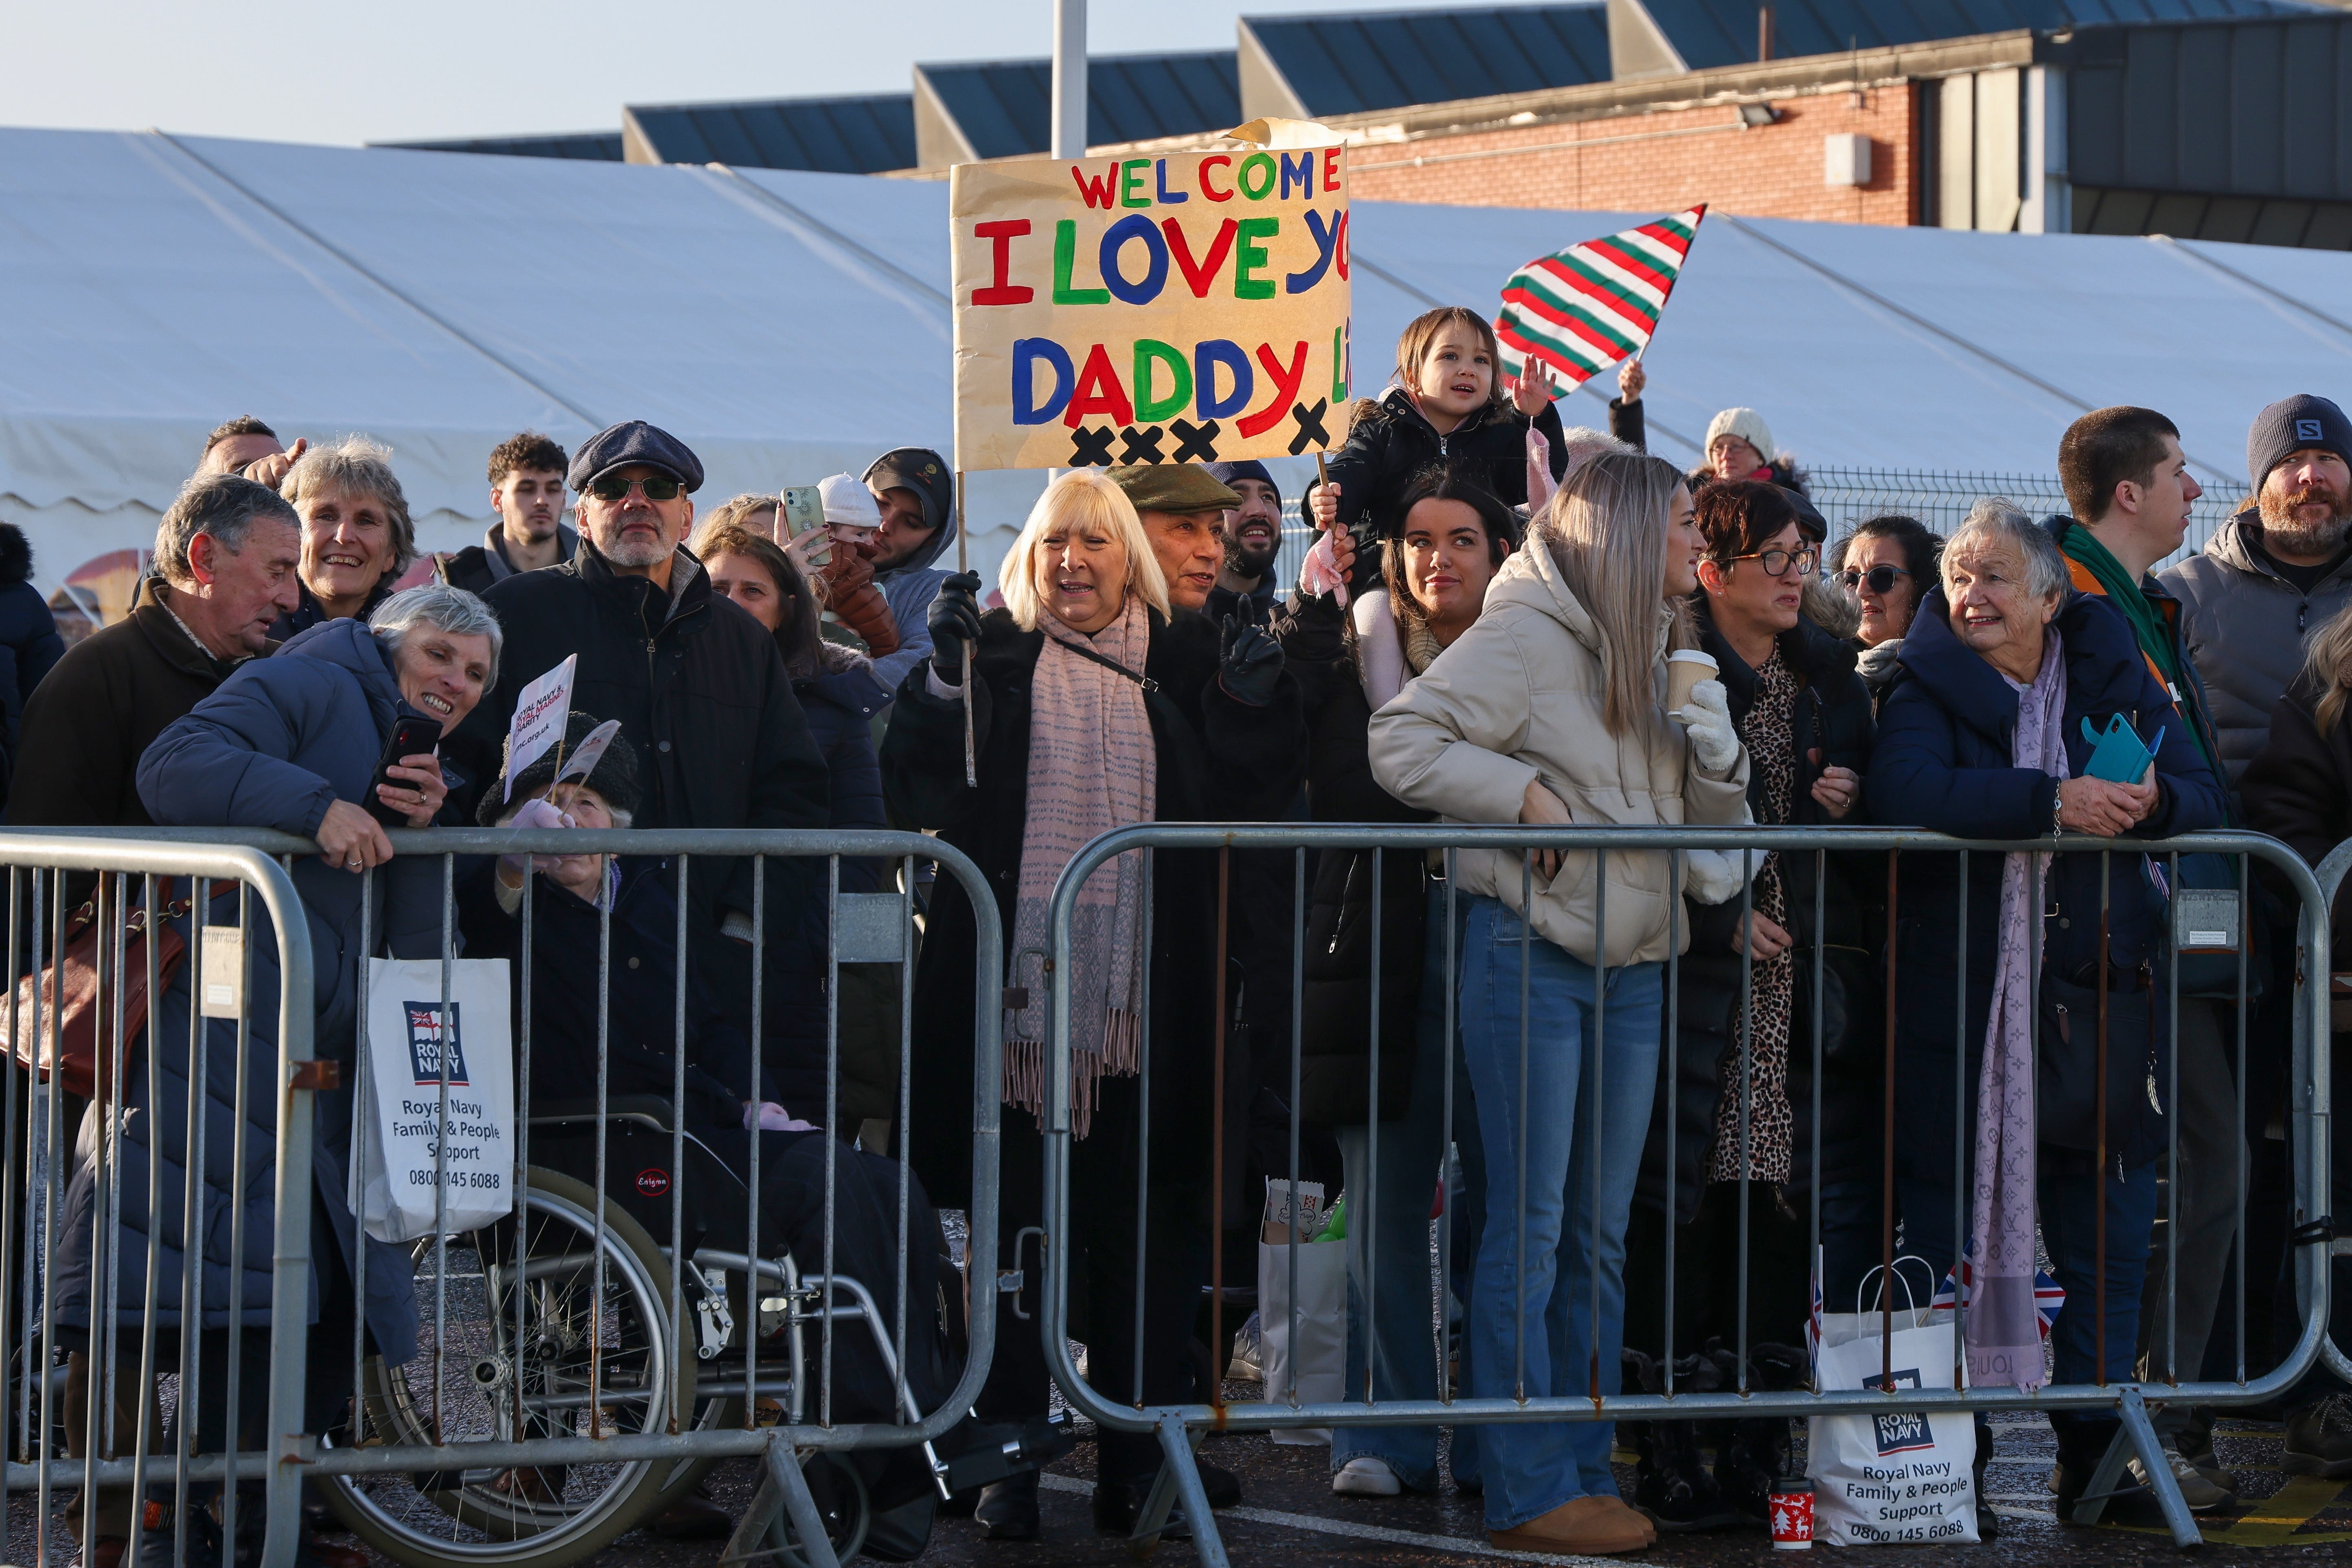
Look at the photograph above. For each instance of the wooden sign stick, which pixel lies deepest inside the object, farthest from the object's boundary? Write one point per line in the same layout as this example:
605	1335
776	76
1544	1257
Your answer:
971	753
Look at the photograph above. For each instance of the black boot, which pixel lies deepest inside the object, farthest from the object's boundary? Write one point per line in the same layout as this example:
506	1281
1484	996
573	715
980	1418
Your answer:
1008	1509
1756	1451
1671	1481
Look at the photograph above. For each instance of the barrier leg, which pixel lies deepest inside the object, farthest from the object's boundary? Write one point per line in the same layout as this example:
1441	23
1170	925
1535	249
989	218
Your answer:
1179	1482
783	1493
2137	1439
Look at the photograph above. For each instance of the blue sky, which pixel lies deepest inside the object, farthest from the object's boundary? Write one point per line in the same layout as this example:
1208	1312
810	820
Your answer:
336	71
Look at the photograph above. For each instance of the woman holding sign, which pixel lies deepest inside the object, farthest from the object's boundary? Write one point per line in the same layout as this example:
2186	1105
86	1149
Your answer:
292	743
1094	708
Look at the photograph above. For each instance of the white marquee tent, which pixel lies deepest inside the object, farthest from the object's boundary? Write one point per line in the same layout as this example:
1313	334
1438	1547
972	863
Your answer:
790	325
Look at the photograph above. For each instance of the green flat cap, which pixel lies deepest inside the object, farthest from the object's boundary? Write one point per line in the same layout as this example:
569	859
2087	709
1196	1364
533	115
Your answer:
1173	487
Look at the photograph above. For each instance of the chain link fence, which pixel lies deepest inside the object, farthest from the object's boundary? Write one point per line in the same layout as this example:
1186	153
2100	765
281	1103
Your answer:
1847	497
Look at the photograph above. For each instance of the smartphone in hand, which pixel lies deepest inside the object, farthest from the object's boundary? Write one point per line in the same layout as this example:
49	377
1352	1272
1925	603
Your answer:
413	735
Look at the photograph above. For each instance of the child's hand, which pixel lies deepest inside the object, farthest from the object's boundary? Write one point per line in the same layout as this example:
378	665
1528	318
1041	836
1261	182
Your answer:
1325	504
1528	392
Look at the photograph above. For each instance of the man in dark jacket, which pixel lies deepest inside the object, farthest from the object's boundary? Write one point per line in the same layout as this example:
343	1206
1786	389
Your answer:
695	682
526	495
1252	535
2268	578
2130	484
916	492
225	555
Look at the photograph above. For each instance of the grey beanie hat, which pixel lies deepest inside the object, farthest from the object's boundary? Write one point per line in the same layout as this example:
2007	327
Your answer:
2292	425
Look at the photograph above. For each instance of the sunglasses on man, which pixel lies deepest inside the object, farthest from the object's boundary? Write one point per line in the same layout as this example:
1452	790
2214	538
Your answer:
1878	579
656	488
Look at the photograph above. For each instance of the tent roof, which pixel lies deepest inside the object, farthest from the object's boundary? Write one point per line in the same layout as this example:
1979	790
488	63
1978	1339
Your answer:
792	324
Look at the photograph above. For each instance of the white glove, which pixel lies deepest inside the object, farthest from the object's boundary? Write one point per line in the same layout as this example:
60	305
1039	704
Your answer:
537	812
767	1116
1713	876
1707	717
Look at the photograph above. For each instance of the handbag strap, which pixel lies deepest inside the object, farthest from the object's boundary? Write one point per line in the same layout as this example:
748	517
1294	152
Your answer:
1084	652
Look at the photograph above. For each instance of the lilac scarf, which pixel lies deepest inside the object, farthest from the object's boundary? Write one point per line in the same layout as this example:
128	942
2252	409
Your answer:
2003	1331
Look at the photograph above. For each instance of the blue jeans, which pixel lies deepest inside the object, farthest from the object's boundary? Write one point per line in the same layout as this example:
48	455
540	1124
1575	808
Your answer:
1568	1104
2069	1227
1390	1315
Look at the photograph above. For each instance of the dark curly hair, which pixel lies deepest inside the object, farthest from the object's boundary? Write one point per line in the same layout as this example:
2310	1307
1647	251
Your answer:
529	450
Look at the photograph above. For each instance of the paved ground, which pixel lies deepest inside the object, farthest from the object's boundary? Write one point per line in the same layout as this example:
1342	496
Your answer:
1290	1519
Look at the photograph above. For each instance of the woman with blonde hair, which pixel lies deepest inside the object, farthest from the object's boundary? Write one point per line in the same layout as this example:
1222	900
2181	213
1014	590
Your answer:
1551	710
1093	707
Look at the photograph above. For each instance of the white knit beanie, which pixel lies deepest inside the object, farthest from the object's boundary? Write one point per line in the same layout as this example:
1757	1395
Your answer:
1744	423
848	501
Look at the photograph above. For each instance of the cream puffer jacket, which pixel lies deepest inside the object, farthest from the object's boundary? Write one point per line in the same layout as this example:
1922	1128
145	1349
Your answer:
1520	697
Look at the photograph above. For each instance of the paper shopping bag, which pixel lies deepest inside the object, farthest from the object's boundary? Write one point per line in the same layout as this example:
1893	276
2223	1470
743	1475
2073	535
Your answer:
1901	1476
415	1173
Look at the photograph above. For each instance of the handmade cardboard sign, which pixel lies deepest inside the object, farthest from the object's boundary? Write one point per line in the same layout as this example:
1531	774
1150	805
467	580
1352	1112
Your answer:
1185	306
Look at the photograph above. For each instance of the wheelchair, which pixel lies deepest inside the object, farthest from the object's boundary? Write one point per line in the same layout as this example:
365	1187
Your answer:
537	1328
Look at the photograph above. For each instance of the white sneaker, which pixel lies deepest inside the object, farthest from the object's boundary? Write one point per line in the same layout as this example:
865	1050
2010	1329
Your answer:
1365	1475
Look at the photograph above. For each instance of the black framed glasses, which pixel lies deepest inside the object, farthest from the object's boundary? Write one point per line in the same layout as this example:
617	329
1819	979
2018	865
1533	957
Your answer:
1776	562
657	487
1878	579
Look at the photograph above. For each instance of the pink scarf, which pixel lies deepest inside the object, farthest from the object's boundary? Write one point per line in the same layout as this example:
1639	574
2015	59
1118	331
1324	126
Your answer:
1093	766
2004	1331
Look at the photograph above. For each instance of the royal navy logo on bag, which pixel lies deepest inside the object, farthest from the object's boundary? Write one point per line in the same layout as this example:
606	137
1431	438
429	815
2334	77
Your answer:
1901	1431
425	1043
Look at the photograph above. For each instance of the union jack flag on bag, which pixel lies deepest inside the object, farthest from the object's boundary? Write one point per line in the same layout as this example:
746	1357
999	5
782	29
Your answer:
1573	314
2049	1296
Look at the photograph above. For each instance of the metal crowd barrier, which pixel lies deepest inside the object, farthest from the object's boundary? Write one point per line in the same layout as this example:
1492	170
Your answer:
571	1379
53	1387
1178	1427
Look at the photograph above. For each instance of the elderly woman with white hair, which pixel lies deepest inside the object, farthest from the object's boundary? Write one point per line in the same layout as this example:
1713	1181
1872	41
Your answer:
1982	735
1094	708
357	538
290	743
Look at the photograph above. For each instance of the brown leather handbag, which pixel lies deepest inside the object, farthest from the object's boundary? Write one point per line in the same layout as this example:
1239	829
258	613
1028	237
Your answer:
69	989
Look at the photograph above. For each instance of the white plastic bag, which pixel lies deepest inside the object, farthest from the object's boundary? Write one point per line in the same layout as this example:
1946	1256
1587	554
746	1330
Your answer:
1905	1477
401	1087
1320	1357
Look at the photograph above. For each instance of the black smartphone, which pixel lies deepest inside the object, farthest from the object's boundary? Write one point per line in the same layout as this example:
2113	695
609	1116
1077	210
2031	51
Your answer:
411	735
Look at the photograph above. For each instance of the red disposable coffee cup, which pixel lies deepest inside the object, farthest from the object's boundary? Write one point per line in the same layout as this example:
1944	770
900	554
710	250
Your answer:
1792	1515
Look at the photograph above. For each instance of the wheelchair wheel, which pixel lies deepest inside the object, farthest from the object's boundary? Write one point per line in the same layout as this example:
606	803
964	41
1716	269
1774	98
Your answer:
580	1367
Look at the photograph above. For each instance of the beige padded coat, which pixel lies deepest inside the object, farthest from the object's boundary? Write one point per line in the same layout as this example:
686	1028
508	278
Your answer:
1519	697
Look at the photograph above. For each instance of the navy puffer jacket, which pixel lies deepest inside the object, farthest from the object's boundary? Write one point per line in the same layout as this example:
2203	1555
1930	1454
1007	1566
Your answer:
272	748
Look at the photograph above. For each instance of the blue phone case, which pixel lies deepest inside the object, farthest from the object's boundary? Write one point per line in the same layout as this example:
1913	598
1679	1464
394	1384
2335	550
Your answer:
2119	755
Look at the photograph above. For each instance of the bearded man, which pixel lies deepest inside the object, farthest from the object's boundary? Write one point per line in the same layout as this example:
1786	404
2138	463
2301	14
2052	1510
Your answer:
2273	572
1252	534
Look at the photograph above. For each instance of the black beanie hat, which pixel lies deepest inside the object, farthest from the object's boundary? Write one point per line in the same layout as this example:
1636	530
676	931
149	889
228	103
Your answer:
615	776
1248	468
2292	425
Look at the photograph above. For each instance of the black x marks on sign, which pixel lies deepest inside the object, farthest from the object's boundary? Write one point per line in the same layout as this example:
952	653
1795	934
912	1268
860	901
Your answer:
1195	443
1310	426
1143	445
1091	448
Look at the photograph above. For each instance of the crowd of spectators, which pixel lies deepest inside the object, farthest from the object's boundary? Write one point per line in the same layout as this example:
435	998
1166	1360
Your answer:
1481	635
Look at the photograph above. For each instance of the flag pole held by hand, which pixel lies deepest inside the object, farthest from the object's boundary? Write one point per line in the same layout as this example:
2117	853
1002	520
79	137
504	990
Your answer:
970	755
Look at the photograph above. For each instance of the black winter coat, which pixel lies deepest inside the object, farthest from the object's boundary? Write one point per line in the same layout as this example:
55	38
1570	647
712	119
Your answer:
1391	441
1219	760
29	644
1335	1041
641	1016
1946	734
2298	789
697	686
1831	728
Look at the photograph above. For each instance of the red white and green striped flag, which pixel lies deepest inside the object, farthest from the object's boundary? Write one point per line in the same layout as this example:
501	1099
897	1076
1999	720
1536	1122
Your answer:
1571	315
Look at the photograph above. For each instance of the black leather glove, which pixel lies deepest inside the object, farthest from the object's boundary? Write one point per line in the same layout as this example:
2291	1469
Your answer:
1251	665
954	620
